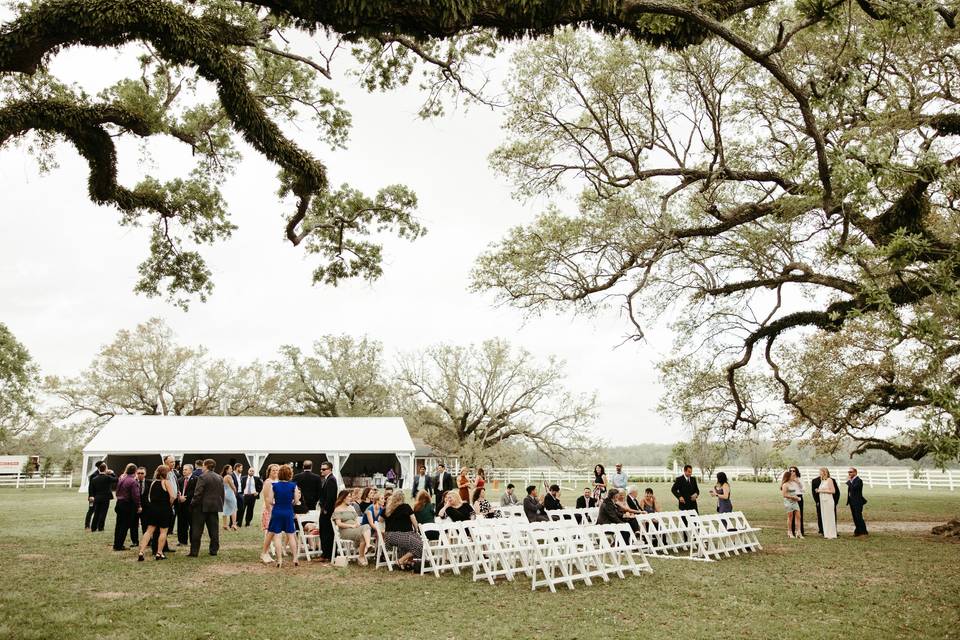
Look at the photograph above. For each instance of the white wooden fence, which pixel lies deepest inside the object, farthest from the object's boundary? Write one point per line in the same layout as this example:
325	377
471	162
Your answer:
22	480
577	479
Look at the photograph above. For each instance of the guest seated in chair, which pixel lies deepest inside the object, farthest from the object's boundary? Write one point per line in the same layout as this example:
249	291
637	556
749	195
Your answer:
345	520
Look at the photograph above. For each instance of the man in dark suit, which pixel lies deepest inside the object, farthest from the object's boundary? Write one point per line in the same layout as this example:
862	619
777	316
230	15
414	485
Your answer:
551	501
423	482
184	518
205	508
101	490
89	516
532	508
814	485
586	500
856	501
138	517
685	490
441	484
250	487
309	484
328	498
238	476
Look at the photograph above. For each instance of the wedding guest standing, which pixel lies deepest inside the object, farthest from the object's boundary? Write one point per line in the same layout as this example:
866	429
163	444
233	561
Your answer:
159	515
128	504
273	472
855	500
619	479
206	507
798	531
328	498
599	482
789	488
229	500
250	487
685	490
826	494
283	493
441	484
96	471
188	484
721	491
481	478
421	482
101	492
463	485
309	484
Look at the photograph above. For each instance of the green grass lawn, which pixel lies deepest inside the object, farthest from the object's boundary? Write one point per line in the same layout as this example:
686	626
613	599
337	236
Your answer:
900	582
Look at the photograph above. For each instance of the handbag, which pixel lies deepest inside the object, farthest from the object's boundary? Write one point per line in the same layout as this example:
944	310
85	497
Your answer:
340	561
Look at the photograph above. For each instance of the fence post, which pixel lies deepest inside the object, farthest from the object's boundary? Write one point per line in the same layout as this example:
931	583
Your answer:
890	483
950	479
44	482
18	480
929	486
909	474
70	481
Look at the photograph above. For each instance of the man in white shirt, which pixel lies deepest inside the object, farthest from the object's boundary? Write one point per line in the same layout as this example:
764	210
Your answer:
619	479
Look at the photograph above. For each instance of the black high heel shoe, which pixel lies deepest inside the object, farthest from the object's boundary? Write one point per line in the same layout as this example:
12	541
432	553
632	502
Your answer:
159	556
140	557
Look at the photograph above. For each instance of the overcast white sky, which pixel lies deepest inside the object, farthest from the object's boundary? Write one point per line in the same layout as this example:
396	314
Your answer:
67	268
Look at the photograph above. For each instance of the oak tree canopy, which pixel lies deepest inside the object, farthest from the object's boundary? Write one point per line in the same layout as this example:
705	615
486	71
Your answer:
727	151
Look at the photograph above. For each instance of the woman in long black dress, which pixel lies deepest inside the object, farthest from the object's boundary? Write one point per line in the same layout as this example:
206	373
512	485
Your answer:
599	483
159	514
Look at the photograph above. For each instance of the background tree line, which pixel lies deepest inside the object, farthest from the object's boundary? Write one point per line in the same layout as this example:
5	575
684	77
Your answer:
486	403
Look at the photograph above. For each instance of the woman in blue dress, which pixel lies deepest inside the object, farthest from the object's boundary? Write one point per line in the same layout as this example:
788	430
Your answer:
284	495
229	500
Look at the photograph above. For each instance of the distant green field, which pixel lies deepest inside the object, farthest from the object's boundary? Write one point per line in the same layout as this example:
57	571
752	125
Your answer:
900	582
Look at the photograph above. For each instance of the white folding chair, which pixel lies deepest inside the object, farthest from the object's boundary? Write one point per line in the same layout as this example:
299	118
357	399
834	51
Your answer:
303	539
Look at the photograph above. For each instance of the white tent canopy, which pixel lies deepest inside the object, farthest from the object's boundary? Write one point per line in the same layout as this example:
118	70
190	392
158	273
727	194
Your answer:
253	436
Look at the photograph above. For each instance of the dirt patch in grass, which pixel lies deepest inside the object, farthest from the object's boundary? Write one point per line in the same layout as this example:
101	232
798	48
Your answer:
31	556
112	595
887	526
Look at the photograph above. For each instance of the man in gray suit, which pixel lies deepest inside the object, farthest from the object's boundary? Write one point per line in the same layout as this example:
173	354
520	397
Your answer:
205	509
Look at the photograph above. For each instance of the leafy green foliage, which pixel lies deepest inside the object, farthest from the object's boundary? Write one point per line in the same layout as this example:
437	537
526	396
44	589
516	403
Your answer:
18	384
798	222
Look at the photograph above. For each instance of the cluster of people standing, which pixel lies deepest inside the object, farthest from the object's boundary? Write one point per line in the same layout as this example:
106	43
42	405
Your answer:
173	501
826	496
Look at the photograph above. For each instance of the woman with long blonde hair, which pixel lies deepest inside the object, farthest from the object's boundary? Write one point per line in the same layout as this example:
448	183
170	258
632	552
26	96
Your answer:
267	492
401	530
827	504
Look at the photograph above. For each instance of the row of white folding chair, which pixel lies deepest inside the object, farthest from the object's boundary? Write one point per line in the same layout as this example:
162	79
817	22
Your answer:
667	532
513	511
584	516
305	540
723	535
569	553
559	552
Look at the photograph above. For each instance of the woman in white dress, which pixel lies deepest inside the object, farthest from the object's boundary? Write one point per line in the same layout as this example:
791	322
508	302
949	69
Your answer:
828	510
